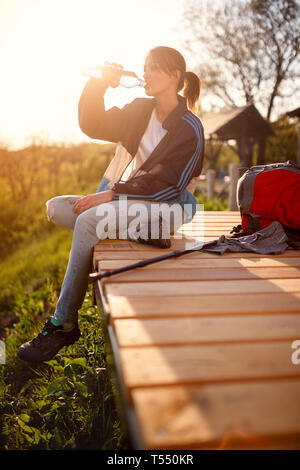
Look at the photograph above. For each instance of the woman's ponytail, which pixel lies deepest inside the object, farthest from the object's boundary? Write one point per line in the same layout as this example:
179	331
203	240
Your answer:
192	90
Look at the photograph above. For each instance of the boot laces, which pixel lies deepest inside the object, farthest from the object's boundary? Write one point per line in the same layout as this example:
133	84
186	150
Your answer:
48	328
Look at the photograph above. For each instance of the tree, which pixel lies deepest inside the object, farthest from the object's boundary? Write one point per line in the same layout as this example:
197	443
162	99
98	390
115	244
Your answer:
249	49
283	145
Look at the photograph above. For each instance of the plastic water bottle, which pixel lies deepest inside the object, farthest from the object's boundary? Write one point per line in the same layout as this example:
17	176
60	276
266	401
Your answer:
128	78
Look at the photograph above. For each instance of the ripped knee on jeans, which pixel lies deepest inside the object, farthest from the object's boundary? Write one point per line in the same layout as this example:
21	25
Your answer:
50	210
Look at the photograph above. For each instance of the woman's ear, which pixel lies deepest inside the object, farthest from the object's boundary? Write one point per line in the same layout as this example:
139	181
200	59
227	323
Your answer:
176	75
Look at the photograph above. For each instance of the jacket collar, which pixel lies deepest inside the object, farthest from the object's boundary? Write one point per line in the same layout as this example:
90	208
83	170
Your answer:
132	139
175	115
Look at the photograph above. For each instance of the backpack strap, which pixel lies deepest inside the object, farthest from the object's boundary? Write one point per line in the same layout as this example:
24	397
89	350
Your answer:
293	238
253	222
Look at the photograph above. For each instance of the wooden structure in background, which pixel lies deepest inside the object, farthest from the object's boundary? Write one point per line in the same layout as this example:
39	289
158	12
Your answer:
203	343
245	125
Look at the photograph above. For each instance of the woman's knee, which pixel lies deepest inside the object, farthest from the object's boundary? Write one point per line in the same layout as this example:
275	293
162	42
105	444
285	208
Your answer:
60	210
50	209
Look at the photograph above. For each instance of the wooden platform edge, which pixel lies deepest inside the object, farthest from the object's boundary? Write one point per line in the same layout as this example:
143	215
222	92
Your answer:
124	404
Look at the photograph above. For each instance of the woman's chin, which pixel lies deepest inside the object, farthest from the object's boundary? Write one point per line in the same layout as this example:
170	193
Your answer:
148	91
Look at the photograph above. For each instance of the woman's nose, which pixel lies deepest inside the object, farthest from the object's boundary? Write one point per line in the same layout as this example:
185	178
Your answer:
147	74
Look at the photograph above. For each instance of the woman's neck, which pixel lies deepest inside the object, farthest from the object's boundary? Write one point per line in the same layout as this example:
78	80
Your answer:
164	105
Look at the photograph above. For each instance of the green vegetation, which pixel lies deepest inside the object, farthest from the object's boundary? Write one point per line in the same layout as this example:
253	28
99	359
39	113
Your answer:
215	204
66	403
31	176
283	145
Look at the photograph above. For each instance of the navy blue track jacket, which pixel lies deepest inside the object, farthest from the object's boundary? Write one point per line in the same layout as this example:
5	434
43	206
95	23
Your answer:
173	163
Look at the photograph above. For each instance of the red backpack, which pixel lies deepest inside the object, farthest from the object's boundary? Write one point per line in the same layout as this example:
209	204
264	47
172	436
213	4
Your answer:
270	192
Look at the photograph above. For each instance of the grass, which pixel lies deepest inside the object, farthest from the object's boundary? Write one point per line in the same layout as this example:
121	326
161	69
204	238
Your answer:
66	403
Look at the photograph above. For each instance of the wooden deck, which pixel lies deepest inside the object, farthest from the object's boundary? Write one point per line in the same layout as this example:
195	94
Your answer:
203	343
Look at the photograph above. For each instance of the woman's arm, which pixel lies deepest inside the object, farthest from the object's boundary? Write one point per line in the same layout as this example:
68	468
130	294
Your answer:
94	120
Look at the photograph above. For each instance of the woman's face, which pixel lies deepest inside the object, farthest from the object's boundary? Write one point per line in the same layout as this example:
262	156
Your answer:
156	80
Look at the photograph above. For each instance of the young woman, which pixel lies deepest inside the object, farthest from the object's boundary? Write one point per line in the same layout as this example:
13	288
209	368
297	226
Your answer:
158	157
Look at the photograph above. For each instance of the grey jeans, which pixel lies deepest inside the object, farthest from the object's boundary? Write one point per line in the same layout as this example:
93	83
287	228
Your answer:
88	229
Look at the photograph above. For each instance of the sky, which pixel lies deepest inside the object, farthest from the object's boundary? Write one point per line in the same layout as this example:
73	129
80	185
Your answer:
45	44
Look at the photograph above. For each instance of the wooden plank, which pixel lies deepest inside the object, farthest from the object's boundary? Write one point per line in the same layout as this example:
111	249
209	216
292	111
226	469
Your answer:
215	220
199	305
146	254
180	234
212	227
215	217
229	224
187	275
188	262
224	416
171	365
206	215
201	232
175	288
225	212
180	240
218	214
207	226
213	223
209	223
179	244
207	330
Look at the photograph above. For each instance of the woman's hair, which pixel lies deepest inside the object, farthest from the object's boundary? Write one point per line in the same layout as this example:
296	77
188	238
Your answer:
169	60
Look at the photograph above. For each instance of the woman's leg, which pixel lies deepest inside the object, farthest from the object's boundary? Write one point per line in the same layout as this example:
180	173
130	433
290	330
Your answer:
60	210
62	330
75	282
109	220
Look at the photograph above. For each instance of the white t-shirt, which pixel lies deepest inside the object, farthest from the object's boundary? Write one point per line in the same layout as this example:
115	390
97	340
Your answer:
151	138
122	159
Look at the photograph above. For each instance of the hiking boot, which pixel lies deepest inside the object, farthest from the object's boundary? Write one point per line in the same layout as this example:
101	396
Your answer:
159	242
47	343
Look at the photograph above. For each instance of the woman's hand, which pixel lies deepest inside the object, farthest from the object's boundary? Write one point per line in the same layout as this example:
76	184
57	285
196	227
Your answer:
92	200
111	74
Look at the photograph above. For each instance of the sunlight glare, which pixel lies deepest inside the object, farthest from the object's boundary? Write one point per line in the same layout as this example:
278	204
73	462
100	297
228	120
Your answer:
45	45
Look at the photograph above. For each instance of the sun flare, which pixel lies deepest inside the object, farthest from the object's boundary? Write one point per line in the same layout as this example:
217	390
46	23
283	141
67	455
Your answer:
45	45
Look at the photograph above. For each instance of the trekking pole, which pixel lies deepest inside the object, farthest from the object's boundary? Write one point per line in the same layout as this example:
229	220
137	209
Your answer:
93	277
